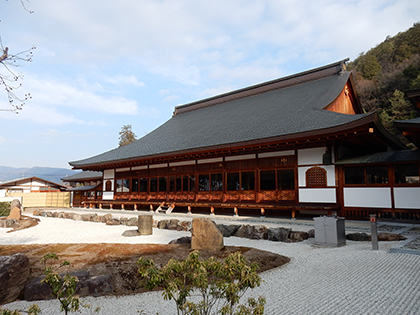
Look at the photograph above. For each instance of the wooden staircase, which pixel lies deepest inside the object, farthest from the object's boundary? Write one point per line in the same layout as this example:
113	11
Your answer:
163	207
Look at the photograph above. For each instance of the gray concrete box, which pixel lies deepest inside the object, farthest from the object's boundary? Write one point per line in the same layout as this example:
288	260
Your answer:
330	231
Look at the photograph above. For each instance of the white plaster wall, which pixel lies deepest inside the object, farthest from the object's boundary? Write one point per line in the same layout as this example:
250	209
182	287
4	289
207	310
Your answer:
2	193
109	174
310	156
107	195
330	174
368	197
317	195
407	197
37	182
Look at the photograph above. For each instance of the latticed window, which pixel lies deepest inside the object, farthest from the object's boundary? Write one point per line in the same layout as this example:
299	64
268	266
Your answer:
316	177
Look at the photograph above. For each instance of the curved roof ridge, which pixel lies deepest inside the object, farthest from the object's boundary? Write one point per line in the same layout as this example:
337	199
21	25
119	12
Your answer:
298	78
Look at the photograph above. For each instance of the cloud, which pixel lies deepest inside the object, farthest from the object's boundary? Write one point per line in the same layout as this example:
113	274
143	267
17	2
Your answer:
55	94
124	80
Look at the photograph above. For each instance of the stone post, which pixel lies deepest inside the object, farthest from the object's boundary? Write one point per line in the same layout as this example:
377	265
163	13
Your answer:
145	224
374	232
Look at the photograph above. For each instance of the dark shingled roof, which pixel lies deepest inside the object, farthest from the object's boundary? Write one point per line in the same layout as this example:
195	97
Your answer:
383	157
82	176
82	188
292	109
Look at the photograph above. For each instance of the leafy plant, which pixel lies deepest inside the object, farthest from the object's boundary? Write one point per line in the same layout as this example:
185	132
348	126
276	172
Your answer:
4	209
63	287
32	310
213	285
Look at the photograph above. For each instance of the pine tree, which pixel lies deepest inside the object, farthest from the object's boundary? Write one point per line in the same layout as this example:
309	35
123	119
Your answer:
127	136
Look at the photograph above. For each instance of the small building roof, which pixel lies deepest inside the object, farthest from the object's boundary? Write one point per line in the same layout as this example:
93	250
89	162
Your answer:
82	188
81	176
17	182
287	107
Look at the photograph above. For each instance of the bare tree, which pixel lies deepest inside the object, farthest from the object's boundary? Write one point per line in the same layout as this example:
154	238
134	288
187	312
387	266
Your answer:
11	79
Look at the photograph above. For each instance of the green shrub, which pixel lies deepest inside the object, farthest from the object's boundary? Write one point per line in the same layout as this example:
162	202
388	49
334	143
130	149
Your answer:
4	209
33	310
216	285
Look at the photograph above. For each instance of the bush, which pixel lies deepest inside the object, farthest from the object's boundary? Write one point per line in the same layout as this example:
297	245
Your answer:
217	286
33	310
4	209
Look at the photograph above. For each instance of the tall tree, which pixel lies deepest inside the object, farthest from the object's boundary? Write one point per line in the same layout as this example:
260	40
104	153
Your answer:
10	79
127	136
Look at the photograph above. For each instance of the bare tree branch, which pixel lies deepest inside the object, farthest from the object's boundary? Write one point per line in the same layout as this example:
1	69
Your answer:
10	80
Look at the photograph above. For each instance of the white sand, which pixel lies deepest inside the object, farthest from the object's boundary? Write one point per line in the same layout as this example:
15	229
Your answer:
351	279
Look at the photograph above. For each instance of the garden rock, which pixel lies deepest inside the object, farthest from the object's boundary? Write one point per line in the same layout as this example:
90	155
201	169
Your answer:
278	234
130	233
182	240
132	222
298	236
256	232
172	224
390	237
14	272
184	226
15	213
205	235
360	237
162	224
228	230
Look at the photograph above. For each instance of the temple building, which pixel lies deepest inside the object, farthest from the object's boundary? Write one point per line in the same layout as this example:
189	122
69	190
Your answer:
300	145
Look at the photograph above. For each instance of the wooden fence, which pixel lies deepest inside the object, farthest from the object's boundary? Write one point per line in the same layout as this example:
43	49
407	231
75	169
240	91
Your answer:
39	199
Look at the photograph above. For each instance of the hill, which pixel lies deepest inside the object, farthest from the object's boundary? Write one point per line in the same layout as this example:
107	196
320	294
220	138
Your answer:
48	173
383	74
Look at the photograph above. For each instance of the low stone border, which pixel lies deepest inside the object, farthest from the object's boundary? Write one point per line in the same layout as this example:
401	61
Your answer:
278	234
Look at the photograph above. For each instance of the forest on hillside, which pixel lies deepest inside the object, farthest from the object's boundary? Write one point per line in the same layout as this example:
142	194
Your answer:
383	74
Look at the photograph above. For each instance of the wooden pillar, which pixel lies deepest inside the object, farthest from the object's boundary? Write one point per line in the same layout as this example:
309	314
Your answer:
135	207
211	210
189	210
85	205
100	206
262	213
110	206
122	206
90	206
293	214
151	208
235	211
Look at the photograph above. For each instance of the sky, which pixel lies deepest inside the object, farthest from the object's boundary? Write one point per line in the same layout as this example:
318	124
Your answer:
102	64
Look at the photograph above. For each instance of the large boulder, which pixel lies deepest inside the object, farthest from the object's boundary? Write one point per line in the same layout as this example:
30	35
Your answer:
15	213
14	273
15	204
279	234
257	232
205	235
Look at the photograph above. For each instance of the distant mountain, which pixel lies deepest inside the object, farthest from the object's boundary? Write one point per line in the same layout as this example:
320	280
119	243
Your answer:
48	173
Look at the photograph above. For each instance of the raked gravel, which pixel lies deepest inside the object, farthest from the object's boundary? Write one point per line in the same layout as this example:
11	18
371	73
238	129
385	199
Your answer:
351	279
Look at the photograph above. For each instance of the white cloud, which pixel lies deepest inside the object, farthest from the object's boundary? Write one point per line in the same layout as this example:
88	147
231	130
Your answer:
124	80
55	94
